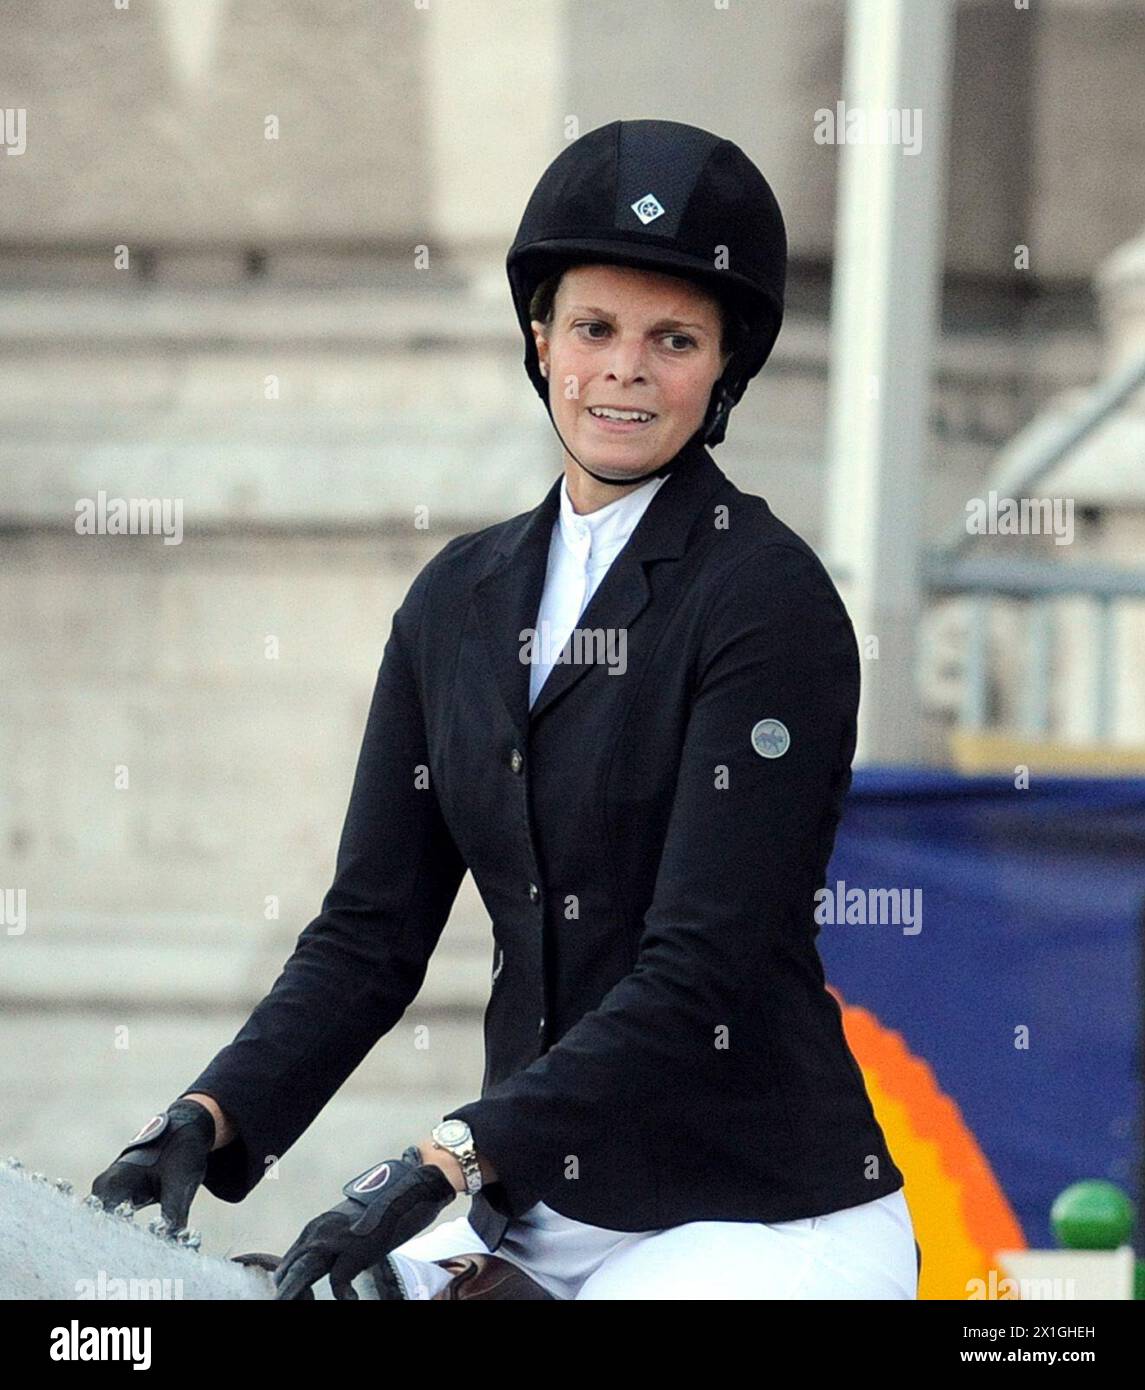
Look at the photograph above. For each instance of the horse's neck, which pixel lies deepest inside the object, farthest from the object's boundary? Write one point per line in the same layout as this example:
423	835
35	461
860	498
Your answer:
53	1246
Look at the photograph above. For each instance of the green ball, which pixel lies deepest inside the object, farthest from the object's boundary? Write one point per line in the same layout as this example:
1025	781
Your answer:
1092	1215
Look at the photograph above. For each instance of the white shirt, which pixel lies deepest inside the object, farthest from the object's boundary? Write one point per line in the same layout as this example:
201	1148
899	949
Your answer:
580	552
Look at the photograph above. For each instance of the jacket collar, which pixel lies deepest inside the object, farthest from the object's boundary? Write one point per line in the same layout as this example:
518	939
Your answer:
508	597
604	532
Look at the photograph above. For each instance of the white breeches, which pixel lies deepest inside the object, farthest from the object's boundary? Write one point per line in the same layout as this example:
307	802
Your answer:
860	1252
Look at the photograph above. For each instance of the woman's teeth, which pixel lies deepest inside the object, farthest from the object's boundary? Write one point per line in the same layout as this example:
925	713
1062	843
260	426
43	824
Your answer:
603	413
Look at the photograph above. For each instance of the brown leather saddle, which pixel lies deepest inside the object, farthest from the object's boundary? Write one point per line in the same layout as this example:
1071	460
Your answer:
488	1276
474	1276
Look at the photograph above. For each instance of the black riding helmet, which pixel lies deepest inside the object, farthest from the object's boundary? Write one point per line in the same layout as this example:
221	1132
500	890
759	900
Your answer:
662	196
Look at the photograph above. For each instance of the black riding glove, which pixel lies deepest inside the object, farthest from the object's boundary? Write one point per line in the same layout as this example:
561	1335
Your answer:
164	1163
386	1205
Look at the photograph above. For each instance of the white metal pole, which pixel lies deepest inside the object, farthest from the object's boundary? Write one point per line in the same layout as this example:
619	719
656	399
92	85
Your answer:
891	126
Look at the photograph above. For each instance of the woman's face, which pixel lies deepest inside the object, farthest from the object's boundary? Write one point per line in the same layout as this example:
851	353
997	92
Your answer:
634	340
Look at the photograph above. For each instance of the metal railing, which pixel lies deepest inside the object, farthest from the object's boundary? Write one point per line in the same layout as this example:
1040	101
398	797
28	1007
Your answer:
987	579
948	570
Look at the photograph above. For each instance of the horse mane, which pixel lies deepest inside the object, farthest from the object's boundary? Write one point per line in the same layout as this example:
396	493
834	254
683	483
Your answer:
55	1245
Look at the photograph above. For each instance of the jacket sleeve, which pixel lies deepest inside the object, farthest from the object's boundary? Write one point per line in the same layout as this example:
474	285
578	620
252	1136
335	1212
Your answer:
747	841
360	963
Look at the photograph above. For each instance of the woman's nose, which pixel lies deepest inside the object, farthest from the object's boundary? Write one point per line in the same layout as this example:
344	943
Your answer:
626	361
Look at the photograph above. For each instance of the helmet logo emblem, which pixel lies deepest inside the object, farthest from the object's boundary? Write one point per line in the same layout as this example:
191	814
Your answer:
648	208
770	738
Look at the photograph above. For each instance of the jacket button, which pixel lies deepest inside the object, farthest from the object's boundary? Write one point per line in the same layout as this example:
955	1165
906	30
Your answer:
541	1026
516	762
534	892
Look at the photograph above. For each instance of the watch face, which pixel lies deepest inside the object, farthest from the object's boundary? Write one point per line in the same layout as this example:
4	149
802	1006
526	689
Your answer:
451	1132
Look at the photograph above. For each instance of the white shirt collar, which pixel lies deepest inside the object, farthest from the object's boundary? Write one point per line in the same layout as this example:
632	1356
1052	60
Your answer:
595	537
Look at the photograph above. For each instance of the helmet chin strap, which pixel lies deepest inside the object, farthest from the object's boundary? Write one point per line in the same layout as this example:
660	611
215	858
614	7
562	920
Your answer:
662	471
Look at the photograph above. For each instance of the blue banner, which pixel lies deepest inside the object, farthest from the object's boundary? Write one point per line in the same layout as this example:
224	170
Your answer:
1005	948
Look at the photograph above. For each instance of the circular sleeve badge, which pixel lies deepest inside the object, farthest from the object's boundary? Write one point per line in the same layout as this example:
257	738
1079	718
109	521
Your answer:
770	738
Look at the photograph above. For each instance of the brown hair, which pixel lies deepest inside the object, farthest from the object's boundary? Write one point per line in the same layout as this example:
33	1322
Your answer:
733	327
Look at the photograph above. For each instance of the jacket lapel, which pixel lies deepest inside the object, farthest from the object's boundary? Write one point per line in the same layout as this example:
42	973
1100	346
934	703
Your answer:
508	597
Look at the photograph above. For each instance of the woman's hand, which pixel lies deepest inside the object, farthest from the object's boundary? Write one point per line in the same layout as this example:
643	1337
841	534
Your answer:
385	1206
164	1163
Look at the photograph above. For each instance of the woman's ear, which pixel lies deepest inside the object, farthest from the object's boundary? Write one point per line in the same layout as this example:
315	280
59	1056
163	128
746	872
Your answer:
542	345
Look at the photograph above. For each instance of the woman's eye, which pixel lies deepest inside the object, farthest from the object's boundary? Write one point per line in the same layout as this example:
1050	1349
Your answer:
680	342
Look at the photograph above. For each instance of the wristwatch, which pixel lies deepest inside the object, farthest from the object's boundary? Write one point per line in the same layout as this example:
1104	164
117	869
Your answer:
456	1137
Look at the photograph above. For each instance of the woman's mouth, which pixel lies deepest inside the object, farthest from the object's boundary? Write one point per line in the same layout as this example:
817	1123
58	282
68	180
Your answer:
615	421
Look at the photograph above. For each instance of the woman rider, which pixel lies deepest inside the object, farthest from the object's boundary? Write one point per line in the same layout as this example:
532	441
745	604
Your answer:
648	277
